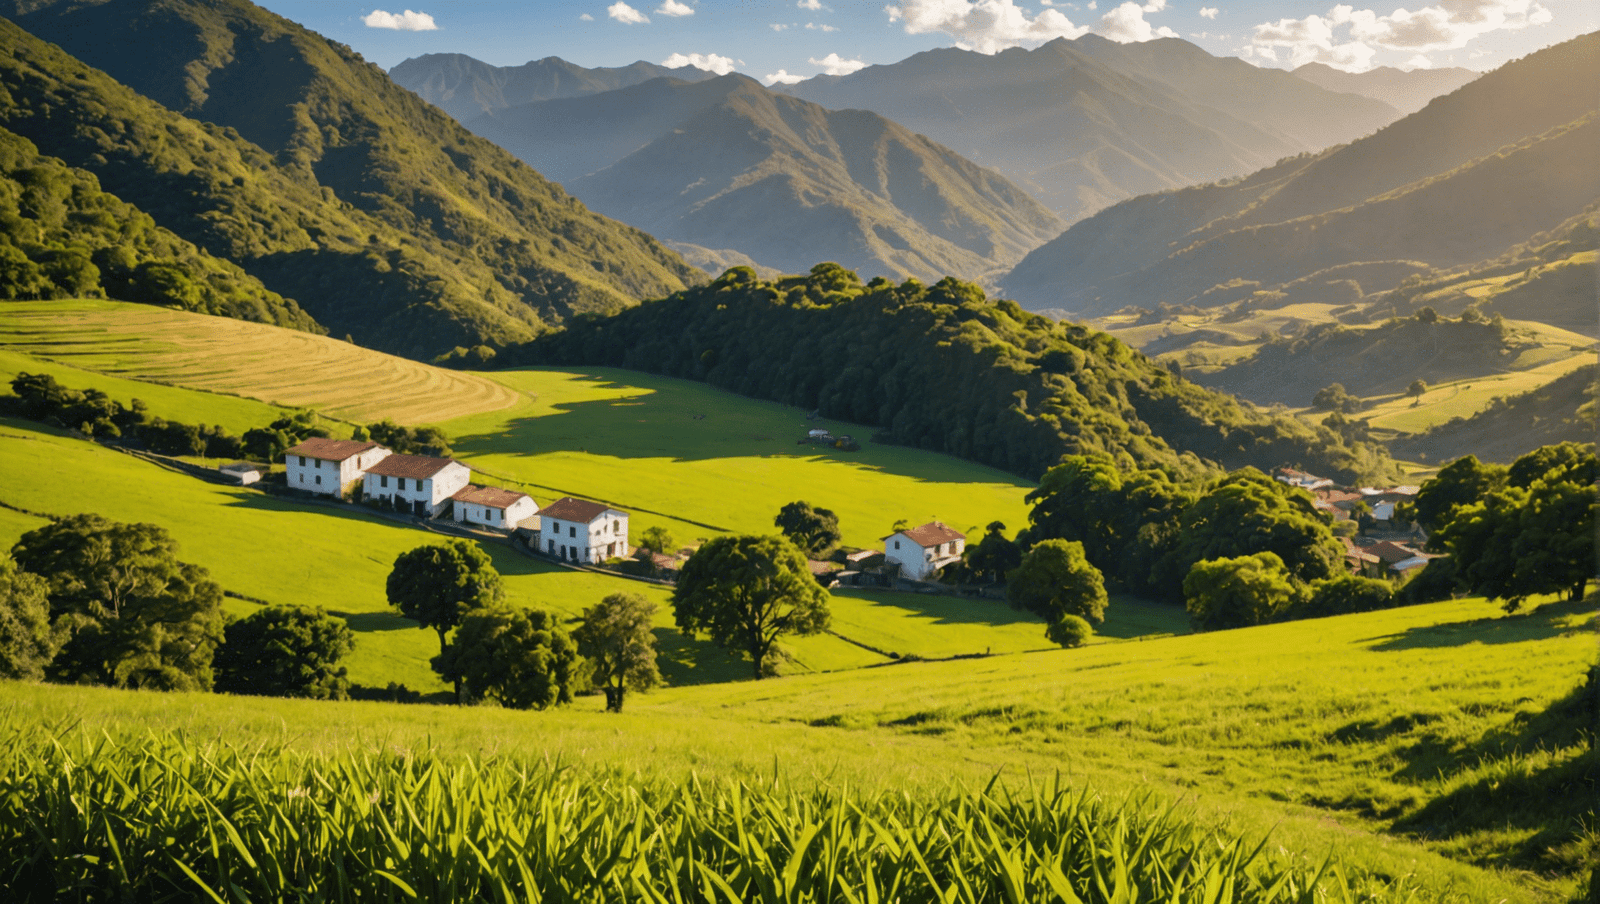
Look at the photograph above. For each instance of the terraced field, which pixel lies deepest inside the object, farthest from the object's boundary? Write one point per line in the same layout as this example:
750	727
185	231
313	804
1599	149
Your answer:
273	365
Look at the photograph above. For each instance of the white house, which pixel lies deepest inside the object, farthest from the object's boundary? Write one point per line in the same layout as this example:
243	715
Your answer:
581	531
425	484
494	507
330	466
923	550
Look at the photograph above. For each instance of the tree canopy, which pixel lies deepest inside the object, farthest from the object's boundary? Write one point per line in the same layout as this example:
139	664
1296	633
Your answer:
814	530
436	585
994	555
1055	580
745	592
27	640
617	639
131	613
520	658
285	651
1238	592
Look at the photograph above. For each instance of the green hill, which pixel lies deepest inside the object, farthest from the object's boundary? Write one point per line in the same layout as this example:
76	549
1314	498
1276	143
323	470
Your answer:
946	368
467	88
1561	410
382	217
1462	180
726	163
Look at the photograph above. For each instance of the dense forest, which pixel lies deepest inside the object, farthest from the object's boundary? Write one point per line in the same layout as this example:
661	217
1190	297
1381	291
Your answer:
943	367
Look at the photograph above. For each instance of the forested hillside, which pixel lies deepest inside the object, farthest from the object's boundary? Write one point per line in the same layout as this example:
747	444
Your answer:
728	164
467	88
1562	410
943	367
61	237
1473	173
305	165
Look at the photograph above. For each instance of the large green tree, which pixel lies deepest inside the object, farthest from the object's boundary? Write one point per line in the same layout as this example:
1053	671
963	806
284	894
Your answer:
1238	592
1459	483
27	640
132	614
437	585
745	592
519	657
994	555
285	651
617	639
1345	594
1055	579
814	530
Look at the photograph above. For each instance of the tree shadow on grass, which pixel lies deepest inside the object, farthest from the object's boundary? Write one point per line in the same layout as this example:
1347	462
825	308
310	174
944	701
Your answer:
687	421
368	622
1542	623
947	610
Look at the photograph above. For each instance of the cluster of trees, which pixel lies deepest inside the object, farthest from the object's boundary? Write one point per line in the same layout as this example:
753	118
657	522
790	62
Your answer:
519	658
407	440
814	530
86	600
1512	532
943	367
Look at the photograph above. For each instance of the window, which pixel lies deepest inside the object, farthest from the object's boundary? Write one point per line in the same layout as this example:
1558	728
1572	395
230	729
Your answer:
572	531
489	514
383	481
552	546
897	544
617	525
401	481
302	478
302	461
319	480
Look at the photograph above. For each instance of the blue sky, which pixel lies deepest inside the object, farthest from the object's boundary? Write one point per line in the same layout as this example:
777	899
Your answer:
777	40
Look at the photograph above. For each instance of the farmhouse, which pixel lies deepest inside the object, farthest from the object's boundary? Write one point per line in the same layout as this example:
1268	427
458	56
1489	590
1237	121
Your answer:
493	507
330	467
581	531
421	483
923	550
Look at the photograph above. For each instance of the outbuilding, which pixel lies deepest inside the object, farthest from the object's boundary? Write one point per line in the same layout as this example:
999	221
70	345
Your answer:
577	530
242	472
493	507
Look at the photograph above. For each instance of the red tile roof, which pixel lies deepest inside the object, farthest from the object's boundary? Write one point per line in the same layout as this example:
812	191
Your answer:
581	511
932	534
1391	552
493	497
325	449
418	467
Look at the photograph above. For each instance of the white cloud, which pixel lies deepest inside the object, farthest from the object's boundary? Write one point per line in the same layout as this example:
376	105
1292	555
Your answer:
710	62
586	18
1208	12
987	26
815	27
626	14
1093	5
832	64
1447	25
813	5
1127	24
674	8
777	26
406	21
782	77
1419	62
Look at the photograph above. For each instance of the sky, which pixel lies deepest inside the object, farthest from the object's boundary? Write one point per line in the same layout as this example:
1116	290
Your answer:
788	40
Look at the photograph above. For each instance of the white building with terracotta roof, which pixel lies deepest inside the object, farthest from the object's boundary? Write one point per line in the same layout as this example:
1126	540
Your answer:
424	484
923	550
493	507
576	530
330	467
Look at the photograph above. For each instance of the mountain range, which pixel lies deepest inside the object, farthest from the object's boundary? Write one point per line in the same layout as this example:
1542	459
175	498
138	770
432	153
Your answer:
1081	124
467	88
1406	90
270	146
1473	173
727	164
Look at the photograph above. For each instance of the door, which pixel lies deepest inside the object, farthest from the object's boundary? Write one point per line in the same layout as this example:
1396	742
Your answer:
419	507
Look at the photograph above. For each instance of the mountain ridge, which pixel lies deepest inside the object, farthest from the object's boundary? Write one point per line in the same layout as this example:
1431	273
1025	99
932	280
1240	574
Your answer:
466	88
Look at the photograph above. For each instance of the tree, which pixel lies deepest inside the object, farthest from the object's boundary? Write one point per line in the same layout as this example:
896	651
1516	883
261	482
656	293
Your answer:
438	585
994	555
1416	389
1346	594
518	657
618	640
130	613
814	530
285	651
656	539
1427	315
1070	632
1238	592
1461	482
1334	397
27	640
1054	580
745	592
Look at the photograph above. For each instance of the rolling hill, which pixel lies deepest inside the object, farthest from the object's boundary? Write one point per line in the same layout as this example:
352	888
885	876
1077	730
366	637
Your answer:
270	146
728	164
1407	92
1086	123
467	88
1472	174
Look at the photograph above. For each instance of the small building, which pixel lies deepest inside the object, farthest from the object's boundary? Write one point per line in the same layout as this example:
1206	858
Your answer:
577	530
493	507
242	472
330	467
923	550
421	484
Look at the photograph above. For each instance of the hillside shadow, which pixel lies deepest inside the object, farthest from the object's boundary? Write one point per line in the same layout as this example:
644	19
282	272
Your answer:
694	422
947	610
1540	624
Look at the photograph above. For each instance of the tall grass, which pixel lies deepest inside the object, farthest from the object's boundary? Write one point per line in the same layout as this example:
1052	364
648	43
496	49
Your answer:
162	817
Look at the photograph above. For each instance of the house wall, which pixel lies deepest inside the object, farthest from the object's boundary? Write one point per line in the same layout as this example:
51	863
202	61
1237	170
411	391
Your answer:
593	543
330	478
916	562
434	492
508	519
